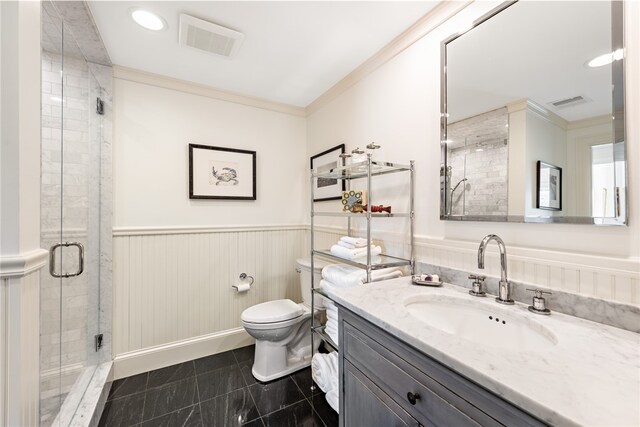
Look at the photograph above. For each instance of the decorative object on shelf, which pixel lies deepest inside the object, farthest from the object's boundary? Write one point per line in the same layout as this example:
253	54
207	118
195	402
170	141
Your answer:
379	208
371	147
358	155
353	200
549	187
221	173
327	188
346	159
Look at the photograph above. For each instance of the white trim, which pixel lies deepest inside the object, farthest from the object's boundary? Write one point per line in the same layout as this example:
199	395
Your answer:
145	231
138	76
434	18
136	362
539	110
23	264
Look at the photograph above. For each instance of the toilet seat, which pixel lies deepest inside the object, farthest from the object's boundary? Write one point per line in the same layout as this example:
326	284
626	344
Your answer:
271	312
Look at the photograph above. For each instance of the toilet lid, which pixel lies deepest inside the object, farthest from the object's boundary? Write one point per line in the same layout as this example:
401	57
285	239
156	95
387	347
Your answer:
272	311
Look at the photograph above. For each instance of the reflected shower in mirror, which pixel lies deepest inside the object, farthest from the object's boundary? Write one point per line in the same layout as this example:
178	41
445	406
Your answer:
517	92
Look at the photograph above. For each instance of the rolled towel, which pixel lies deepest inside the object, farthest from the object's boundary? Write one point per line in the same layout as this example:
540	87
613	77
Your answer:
333	400
345	276
351	254
358	242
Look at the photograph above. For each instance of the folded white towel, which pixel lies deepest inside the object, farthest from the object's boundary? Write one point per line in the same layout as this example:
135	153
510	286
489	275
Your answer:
345	276
358	242
331	325
333	399
333	334
346	245
324	370
342	252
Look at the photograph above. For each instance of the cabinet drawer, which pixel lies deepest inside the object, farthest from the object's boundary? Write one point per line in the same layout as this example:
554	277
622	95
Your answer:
428	408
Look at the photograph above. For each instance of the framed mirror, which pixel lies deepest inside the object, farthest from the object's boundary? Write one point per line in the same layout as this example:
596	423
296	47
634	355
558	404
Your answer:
535	83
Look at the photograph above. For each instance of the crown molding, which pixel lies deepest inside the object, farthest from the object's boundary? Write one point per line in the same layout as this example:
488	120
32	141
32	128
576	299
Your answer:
22	264
433	19
144	77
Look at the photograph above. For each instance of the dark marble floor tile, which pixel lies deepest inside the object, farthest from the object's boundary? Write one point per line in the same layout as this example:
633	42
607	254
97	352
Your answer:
245	368
216	361
218	382
324	410
231	409
185	417
245	354
169	398
123	412
255	423
298	415
304	381
167	375
270	397
127	386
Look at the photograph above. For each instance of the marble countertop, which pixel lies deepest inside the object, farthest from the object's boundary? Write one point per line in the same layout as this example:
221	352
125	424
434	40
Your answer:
590	377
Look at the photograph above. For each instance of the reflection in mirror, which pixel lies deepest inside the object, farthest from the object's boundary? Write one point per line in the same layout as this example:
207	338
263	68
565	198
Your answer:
530	83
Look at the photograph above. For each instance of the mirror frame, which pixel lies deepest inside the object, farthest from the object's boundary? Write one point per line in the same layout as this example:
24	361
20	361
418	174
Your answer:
619	127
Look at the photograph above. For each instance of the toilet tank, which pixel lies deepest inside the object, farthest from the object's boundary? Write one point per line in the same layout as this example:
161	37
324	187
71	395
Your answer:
304	268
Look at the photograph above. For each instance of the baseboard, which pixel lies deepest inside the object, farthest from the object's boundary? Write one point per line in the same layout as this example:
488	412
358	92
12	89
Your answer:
136	362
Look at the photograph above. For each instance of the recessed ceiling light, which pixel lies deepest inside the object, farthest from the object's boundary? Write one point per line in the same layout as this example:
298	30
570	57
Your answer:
606	59
147	20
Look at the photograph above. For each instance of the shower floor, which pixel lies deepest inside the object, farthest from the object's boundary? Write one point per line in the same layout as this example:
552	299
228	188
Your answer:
214	391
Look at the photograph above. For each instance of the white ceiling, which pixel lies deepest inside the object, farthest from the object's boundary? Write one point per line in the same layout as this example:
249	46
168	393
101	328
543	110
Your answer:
292	52
535	50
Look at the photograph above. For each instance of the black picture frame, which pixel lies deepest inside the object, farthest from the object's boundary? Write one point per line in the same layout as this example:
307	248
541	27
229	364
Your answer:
324	188
548	186
221	184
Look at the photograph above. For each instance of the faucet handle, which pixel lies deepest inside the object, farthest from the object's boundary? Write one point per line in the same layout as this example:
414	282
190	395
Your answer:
539	303
476	287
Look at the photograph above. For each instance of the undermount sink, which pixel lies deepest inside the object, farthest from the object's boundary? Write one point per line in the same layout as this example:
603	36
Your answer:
481	322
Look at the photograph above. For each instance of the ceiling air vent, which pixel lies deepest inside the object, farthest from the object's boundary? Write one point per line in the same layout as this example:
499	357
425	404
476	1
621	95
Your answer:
570	102
209	37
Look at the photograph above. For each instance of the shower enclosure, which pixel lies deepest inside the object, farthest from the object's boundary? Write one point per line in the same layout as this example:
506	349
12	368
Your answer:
73	153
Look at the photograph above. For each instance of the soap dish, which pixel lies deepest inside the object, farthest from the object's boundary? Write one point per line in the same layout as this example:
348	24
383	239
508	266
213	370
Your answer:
416	281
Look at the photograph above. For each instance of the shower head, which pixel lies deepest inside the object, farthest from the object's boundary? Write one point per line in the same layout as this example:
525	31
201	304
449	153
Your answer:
458	184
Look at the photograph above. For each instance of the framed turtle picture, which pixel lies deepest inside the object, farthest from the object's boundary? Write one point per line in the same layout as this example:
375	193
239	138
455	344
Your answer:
221	173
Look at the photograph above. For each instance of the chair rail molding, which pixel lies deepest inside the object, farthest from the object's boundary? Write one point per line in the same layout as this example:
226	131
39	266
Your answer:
22	264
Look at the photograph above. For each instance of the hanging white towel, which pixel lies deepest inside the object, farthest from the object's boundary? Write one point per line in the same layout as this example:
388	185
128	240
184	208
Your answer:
357	242
352	254
333	399
324	370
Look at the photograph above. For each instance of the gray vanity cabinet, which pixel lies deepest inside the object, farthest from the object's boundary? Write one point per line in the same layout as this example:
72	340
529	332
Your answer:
385	382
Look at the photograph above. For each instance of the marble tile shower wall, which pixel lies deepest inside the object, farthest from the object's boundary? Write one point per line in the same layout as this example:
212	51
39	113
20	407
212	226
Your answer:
64	322
482	158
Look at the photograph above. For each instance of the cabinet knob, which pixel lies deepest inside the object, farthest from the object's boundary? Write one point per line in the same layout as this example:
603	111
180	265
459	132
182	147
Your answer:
413	397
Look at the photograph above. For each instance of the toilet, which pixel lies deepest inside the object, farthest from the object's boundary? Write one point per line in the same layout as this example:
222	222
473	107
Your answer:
282	328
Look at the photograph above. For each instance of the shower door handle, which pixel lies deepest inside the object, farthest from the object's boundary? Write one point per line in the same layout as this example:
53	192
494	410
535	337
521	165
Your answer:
52	259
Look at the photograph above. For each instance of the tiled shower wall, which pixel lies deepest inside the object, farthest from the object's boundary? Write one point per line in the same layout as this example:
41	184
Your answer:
479	152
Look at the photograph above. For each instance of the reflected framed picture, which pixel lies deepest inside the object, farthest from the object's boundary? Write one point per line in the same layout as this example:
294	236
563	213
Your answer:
549	187
327	188
221	173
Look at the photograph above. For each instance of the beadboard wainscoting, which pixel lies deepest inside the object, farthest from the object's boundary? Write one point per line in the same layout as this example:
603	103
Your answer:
173	299
615	279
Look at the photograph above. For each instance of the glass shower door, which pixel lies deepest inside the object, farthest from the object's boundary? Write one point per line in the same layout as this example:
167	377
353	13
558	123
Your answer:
70	219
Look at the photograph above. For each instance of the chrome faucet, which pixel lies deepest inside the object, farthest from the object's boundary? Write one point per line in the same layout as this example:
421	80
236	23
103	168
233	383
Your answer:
504	289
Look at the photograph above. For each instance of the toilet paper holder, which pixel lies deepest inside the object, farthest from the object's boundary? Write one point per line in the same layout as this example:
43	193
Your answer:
243	276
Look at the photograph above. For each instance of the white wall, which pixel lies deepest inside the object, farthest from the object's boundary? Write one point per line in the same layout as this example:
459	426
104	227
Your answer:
398	106
173	299
152	129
